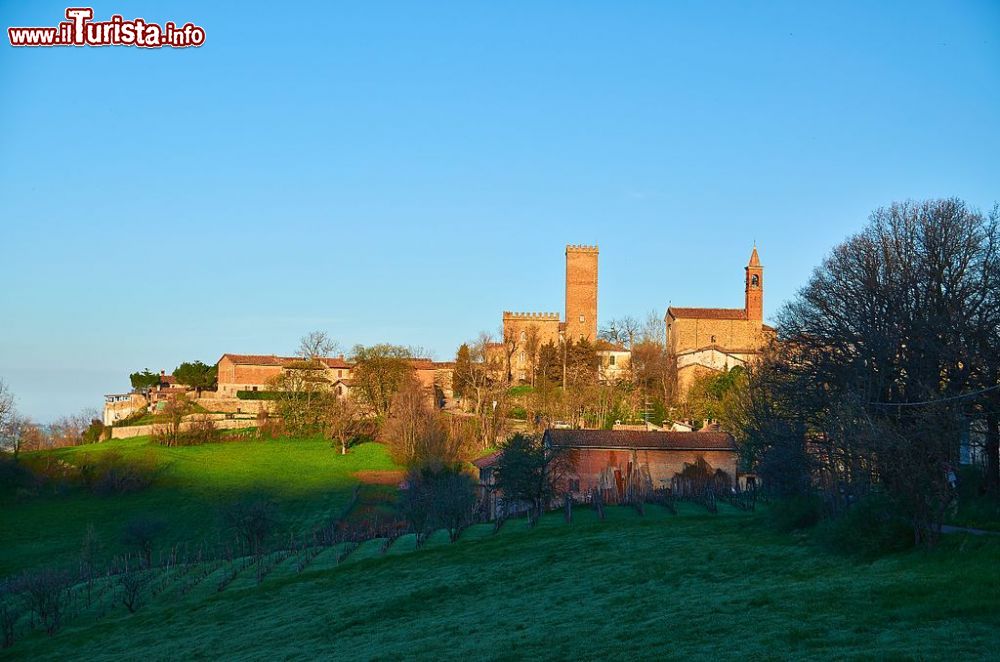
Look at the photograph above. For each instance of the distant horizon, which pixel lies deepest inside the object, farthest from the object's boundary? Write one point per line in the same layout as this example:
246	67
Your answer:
404	174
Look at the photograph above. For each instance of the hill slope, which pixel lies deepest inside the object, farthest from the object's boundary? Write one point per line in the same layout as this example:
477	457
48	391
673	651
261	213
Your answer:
307	479
661	585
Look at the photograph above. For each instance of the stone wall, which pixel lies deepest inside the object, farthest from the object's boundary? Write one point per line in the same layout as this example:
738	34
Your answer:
221	424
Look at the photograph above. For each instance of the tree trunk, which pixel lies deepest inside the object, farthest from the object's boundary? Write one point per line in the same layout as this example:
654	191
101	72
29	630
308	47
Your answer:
993	454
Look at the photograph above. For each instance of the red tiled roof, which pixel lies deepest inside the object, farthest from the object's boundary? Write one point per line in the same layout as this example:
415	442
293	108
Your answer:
338	362
273	360
486	460
429	364
708	313
255	359
636	440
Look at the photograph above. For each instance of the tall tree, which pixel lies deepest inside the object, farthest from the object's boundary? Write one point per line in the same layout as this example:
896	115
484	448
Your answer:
145	380
880	363
315	344
527	471
379	373
302	397
196	375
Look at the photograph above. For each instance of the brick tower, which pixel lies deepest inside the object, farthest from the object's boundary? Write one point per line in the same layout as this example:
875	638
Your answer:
755	288
581	292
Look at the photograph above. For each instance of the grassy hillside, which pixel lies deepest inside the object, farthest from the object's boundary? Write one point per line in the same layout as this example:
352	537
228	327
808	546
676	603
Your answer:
690	585
307	479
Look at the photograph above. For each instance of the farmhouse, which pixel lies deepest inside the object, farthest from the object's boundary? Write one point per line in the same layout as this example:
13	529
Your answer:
255	372
605	459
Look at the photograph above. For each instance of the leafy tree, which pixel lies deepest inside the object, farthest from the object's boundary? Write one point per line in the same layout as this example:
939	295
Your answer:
527	471
145	380
379	373
462	377
439	496
196	375
303	397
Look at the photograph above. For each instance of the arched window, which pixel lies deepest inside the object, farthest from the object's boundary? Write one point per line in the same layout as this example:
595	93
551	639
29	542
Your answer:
755	280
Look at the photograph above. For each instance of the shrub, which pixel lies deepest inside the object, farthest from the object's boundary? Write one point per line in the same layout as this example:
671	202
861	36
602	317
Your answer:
795	512
269	427
869	529
111	473
201	431
15	476
257	395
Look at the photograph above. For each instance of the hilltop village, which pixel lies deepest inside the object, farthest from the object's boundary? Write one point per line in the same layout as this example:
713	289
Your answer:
698	342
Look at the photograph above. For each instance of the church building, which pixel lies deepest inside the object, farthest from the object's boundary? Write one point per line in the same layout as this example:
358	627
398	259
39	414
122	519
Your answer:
712	340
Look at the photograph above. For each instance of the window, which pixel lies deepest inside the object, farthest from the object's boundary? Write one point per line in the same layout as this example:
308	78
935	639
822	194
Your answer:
573	484
255	388
754	280
524	336
611	360
713	340
523	357
581	318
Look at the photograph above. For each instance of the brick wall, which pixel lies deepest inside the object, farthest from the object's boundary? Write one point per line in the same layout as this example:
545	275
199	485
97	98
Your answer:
581	292
662	464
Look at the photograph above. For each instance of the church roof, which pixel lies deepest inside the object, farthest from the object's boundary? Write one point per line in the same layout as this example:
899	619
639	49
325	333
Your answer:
707	313
754	258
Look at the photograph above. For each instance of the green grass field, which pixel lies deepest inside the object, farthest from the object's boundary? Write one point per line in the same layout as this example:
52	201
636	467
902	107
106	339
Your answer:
309	481
690	585
660	586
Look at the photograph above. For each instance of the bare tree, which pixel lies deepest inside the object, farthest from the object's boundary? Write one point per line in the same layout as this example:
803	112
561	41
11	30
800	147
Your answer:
302	397
485	389
316	344
345	421
623	331
132	581
881	362
46	591
416	434
141	533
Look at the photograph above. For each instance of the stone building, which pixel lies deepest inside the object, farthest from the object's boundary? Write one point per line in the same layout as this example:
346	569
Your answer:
603	459
707	340
524	333
255	372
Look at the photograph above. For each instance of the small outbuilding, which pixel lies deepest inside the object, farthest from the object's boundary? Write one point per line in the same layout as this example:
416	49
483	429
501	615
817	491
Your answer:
606	459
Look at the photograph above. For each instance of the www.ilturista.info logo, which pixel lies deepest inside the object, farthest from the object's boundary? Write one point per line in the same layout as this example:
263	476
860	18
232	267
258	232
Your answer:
80	30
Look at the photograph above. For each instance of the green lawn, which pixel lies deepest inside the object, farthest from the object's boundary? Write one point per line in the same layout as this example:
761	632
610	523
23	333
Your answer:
309	481
656	587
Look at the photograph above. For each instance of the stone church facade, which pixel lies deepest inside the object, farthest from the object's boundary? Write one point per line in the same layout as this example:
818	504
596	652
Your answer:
710	340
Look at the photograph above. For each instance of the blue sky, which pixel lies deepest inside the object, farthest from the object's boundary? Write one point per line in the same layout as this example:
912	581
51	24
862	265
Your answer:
403	172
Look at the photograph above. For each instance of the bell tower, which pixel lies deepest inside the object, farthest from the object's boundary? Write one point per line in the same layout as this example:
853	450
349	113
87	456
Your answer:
755	288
